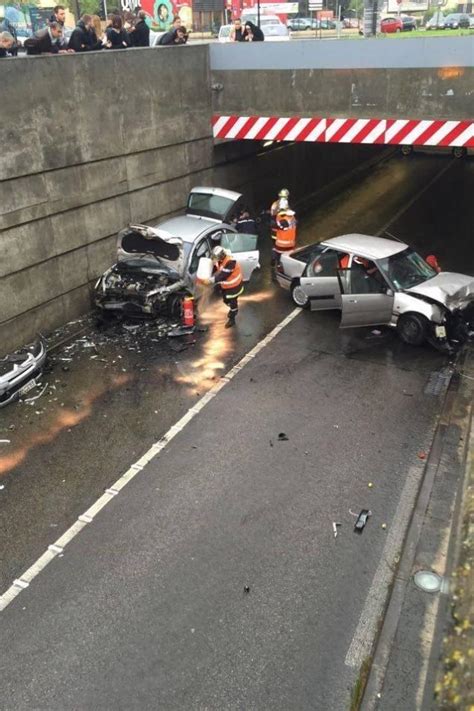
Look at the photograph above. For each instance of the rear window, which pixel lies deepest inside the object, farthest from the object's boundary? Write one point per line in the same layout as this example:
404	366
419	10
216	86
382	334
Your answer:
208	205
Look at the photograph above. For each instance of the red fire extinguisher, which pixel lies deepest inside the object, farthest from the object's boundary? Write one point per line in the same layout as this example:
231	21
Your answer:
188	311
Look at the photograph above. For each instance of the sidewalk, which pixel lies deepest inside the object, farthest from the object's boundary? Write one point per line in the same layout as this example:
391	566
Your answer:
412	652
454	686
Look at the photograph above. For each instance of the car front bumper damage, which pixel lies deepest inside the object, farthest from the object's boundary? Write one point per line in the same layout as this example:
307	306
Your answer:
19	371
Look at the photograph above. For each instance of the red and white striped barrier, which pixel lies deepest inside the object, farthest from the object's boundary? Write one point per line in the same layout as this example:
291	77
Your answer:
412	132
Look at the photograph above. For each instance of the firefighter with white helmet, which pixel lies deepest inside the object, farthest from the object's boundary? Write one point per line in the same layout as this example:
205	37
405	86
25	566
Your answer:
285	232
281	202
228	275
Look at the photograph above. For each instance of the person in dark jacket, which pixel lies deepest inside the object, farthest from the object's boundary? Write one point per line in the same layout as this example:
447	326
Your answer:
246	224
140	33
173	37
45	41
83	38
6	43
6	26
253	33
117	37
237	33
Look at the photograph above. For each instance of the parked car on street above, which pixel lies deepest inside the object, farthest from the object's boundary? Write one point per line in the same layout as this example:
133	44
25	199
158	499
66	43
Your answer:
298	24
377	281
156	266
391	24
436	22
457	20
408	22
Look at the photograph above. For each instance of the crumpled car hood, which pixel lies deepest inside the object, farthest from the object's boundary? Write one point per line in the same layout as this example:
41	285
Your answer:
143	242
451	289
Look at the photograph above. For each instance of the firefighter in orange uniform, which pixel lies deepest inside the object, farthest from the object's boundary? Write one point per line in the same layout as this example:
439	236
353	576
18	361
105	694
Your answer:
285	234
281	203
228	275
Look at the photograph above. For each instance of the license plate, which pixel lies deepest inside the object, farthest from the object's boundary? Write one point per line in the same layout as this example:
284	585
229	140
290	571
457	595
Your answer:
27	387
440	332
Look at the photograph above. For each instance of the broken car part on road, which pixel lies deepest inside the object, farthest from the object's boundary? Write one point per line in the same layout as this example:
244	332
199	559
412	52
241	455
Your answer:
20	370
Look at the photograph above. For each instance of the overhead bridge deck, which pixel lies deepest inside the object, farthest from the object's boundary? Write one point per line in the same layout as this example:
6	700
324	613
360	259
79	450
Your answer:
415	92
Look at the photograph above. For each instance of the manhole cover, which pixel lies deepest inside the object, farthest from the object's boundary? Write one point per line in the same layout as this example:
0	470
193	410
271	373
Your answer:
428	581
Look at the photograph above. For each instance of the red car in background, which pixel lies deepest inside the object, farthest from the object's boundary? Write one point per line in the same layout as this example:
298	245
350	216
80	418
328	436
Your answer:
391	24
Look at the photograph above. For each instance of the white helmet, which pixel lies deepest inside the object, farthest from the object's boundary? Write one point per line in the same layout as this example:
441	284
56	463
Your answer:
283	204
284	193
218	253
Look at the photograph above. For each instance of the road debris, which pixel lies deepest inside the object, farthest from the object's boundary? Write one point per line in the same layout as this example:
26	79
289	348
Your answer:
4	441
335	524
30	400
370	485
246	589
362	519
384	526
283	437
421	455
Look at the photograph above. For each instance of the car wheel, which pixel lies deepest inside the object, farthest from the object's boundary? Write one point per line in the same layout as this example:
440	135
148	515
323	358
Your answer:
406	150
299	296
412	329
459	152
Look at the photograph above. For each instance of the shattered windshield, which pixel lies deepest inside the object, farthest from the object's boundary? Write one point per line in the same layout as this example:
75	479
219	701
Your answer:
406	269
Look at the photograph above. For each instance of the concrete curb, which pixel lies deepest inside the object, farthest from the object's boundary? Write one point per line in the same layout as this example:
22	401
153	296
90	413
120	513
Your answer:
404	650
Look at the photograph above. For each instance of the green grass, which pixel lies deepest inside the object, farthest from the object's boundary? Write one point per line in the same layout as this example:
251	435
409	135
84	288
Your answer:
430	33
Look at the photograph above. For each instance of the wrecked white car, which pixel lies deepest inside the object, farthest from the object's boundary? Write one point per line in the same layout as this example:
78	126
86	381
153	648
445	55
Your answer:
19	371
156	266
376	281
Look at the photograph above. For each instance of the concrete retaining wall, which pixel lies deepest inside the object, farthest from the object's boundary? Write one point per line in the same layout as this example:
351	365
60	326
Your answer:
428	78
89	144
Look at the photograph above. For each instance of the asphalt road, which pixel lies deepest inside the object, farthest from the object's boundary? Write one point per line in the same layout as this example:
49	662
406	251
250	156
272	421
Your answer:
112	619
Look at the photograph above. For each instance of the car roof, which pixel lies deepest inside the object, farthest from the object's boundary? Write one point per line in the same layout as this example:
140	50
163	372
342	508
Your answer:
366	245
187	227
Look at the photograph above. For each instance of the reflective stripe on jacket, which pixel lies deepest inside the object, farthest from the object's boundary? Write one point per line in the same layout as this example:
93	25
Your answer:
229	273
285	231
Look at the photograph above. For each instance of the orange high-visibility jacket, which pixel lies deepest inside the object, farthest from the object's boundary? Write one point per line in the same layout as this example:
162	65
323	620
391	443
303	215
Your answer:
285	235
229	278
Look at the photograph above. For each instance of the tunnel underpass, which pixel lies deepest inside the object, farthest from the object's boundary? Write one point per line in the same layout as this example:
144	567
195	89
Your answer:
117	393
423	200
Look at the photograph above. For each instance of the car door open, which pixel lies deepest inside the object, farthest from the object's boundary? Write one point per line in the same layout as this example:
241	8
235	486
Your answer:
366	299
244	248
320	281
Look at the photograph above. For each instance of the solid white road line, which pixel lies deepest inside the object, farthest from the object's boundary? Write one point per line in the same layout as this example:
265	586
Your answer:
375	601
88	516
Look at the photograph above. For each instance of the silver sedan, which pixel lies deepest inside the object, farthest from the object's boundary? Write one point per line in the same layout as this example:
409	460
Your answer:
376	281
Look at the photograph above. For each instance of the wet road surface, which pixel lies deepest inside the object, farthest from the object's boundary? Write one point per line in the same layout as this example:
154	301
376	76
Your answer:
120	394
115	397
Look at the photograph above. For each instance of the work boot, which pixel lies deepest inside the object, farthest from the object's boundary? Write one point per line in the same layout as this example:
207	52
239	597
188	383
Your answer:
230	322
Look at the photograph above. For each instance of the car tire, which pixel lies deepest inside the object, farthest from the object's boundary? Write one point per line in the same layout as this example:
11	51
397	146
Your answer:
299	297
459	152
407	150
412	329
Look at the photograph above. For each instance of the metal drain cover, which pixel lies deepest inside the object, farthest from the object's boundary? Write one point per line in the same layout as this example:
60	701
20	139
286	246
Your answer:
428	581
